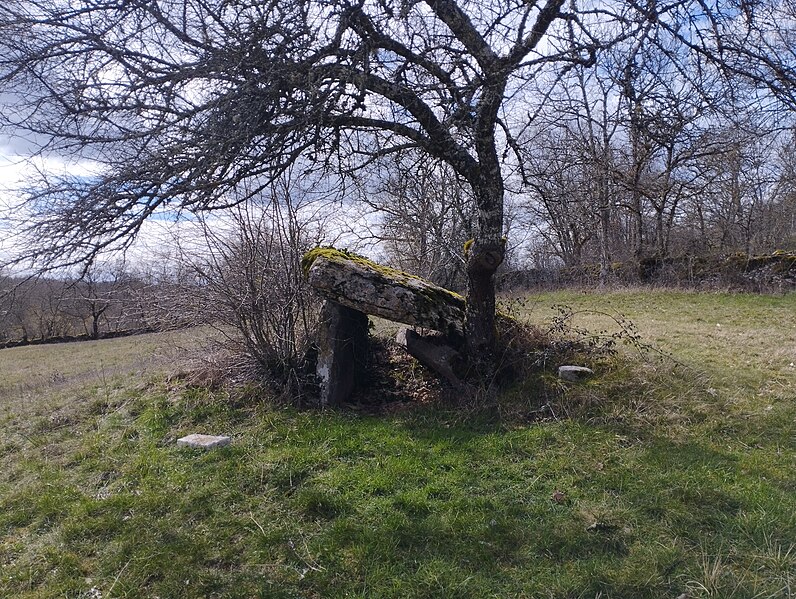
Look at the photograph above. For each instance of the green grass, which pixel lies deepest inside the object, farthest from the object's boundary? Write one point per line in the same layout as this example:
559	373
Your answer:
661	476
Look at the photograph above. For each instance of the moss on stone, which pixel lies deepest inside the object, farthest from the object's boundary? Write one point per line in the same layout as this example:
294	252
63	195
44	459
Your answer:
330	253
430	290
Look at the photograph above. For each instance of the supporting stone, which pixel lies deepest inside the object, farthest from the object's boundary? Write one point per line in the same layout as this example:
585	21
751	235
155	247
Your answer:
342	352
432	353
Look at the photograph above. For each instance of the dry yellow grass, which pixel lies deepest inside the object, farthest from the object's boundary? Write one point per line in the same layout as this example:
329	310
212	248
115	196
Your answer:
42	378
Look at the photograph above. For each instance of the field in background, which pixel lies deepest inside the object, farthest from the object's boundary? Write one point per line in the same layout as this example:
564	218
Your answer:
743	344
673	471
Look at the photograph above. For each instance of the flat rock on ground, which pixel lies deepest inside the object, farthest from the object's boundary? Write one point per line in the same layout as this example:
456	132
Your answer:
574	374
203	441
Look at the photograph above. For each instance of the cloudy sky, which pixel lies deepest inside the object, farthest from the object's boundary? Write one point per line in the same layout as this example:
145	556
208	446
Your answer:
160	237
18	167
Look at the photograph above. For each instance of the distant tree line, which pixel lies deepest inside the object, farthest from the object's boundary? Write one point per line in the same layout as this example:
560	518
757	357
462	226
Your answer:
107	300
622	175
682	214
643	173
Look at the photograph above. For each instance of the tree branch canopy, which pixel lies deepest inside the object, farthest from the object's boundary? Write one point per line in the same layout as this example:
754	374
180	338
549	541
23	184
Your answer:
183	101
195	105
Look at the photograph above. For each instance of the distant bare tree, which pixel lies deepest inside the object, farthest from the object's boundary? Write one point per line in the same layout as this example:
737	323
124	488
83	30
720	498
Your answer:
666	114
560	201
781	212
426	216
738	181
100	298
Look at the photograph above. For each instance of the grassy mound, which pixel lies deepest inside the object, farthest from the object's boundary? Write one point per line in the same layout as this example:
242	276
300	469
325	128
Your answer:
661	476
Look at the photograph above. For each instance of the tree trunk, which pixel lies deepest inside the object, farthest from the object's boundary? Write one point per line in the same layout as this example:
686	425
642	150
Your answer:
484	257
638	222
660	245
605	249
488	249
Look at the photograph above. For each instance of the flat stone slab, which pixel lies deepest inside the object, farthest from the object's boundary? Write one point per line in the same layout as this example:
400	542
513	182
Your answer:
574	374
432	353
203	441
363	285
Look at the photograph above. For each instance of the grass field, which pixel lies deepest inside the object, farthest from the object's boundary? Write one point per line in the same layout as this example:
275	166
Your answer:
672	473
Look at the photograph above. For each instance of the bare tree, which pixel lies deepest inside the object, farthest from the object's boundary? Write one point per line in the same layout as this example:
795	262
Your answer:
737	181
781	211
99	299
666	113
560	201
246	280
178	103
426	215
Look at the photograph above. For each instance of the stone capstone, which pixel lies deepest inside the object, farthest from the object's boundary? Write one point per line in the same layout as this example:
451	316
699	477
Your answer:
354	287
342	351
365	286
203	441
574	374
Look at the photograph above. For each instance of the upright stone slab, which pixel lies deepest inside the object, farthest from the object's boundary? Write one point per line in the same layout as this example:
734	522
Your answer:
342	351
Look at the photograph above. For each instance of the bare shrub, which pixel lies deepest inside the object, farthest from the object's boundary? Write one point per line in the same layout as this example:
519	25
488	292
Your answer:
246	277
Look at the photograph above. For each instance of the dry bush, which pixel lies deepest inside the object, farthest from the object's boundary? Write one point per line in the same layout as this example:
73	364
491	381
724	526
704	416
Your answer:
248	284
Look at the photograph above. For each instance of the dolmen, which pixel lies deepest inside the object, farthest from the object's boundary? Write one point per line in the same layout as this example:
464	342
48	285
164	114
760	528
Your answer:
354	287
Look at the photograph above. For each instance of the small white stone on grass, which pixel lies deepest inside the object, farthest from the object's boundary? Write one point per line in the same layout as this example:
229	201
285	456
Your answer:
203	441
574	374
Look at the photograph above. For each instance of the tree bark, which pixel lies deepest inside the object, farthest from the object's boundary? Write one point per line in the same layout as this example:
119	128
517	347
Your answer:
485	255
